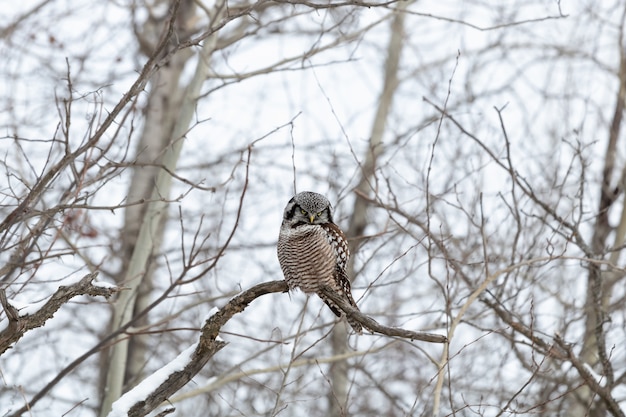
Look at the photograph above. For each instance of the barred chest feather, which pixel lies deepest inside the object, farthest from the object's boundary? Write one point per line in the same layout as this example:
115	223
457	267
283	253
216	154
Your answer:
310	255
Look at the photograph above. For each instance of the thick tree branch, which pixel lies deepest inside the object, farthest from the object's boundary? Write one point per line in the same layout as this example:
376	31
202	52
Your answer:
18	325
376	327
208	345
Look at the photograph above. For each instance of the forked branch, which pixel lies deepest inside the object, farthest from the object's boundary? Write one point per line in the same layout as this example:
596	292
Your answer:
20	324
209	344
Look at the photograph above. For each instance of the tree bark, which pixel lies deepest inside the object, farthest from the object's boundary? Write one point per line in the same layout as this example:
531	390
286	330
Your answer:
600	282
338	395
18	324
161	113
138	271
156	389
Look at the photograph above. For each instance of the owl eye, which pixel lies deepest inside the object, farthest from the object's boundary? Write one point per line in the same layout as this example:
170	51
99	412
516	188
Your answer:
303	211
319	214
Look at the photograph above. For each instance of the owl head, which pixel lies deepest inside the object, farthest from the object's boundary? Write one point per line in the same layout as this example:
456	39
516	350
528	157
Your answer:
308	207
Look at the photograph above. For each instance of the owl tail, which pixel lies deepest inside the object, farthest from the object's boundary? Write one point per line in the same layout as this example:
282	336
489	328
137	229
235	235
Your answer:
356	326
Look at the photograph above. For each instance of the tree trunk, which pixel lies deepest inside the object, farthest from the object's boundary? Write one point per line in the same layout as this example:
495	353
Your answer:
162	110
171	116
583	402
338	396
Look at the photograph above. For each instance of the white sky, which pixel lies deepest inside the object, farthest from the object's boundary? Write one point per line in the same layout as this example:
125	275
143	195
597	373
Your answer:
334	104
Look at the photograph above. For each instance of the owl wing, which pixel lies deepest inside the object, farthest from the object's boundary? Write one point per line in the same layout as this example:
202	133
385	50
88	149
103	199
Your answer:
343	283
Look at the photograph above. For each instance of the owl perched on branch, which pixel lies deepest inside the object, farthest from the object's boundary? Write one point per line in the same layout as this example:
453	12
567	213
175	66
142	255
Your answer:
313	251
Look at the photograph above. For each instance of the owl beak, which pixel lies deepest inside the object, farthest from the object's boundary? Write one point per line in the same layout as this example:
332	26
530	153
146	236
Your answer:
312	217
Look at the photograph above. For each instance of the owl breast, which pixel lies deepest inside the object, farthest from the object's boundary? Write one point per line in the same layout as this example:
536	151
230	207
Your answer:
306	257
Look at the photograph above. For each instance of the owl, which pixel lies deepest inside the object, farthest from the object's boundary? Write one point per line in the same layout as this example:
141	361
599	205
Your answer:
313	251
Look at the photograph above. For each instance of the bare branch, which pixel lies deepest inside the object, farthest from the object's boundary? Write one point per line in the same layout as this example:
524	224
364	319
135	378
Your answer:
42	185
488	28
18	325
330	5
583	370
10	28
207	346
376	327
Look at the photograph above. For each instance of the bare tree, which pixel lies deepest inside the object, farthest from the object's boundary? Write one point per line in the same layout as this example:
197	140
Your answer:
469	152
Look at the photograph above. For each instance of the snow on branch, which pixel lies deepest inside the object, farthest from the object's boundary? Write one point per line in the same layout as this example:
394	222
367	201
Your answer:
19	322
157	388
593	381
